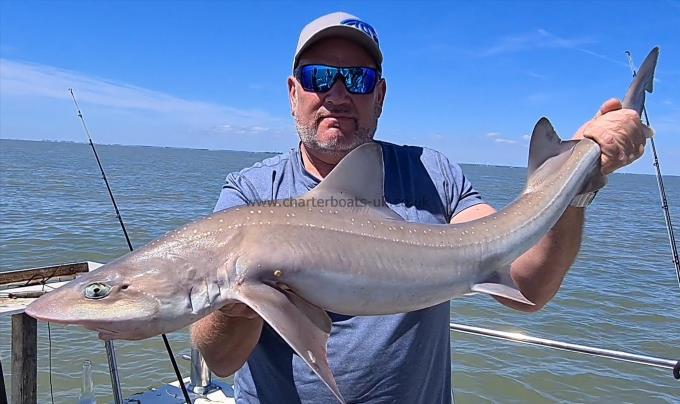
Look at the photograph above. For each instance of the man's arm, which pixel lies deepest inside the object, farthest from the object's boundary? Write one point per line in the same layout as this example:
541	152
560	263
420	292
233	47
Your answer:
227	337
539	272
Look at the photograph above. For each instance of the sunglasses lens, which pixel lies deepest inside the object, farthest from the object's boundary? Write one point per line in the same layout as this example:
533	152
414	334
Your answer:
317	78
320	78
360	80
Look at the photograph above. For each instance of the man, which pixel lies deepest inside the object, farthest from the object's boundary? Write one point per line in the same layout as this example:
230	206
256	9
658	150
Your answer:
336	96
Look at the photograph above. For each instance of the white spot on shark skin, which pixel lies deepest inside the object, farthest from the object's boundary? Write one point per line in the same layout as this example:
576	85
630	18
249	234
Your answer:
311	357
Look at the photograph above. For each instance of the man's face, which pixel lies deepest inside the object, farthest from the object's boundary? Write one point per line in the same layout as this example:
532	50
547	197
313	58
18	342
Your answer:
335	122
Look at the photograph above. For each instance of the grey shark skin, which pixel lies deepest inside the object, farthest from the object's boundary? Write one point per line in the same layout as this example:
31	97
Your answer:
290	261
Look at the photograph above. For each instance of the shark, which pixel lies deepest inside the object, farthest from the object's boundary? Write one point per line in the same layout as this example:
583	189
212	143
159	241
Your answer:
291	261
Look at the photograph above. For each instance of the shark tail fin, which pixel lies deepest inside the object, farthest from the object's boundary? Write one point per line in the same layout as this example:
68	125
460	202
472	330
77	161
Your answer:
501	284
642	83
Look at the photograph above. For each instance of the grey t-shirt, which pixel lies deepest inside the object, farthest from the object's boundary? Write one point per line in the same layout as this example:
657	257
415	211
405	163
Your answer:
401	358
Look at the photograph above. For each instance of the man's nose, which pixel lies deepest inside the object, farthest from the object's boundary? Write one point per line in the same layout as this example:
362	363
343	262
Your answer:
338	93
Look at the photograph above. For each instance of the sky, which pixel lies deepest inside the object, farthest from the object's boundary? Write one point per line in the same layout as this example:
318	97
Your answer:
467	78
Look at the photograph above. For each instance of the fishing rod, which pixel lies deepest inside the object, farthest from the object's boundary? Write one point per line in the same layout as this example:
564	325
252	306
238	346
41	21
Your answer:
662	189
113	368
674	365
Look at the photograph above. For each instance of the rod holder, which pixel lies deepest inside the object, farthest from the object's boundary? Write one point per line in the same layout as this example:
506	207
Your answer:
200	381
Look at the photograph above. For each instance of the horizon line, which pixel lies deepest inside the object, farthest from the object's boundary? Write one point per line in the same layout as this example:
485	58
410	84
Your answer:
267	152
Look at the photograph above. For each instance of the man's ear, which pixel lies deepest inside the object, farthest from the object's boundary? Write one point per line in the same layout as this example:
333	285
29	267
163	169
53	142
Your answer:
292	95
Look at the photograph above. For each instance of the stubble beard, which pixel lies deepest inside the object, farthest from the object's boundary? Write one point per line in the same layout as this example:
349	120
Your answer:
335	146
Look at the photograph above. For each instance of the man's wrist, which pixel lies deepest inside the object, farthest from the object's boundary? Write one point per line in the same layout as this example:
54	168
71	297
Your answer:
583	200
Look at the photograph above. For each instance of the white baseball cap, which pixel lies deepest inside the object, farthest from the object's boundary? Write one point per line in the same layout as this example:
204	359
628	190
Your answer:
344	25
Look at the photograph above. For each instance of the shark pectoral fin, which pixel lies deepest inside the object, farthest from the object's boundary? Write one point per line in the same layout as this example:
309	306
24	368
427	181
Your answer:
501	284
314	313
301	332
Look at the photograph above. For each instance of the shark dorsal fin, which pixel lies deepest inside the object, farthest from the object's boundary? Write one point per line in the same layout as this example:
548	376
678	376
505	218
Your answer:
358	181
547	150
360	177
545	143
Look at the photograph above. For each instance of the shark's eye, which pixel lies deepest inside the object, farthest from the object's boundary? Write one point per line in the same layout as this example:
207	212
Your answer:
97	290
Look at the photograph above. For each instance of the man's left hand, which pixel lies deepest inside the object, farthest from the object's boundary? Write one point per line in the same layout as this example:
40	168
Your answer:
619	132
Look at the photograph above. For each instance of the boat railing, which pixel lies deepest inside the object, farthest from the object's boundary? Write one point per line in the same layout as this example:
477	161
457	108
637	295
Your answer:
647	360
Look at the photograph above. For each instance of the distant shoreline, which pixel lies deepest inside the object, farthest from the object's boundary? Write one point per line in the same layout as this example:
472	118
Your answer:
257	152
137	145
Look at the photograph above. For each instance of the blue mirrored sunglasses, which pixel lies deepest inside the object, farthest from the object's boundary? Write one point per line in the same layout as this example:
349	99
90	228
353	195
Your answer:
320	78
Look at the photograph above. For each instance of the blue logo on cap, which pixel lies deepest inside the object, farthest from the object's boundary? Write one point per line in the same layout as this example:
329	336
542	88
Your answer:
364	27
